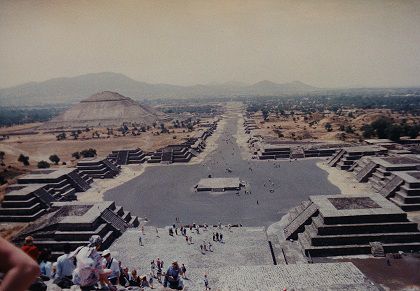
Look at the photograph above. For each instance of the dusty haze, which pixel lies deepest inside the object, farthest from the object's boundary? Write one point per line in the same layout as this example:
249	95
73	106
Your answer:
322	43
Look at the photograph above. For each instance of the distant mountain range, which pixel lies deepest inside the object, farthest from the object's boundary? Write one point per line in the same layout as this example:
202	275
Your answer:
74	89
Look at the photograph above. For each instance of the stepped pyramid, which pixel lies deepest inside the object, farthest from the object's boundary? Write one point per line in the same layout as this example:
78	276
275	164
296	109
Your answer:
105	109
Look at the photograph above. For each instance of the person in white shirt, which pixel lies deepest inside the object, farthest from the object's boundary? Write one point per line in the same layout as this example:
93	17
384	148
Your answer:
112	264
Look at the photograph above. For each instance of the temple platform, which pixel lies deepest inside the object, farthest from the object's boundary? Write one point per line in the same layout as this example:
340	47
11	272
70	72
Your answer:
336	225
219	184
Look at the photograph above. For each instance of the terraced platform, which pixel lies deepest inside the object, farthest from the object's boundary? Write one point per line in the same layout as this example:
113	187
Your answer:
98	168
407	194
74	222
26	203
345	158
273	152
62	184
347	226
127	157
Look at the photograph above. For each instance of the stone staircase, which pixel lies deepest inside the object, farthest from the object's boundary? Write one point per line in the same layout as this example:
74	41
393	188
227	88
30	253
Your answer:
298	218
391	186
76	180
365	172
407	195
336	158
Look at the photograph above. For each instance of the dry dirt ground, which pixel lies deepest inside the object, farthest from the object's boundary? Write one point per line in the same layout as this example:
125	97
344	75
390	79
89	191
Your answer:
299	127
40	146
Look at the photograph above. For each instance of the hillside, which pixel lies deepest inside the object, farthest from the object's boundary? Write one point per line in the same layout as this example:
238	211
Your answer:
73	89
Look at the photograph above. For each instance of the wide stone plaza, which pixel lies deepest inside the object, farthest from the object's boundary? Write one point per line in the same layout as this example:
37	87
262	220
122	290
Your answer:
164	192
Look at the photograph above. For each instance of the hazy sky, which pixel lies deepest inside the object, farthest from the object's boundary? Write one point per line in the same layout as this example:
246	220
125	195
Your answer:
323	43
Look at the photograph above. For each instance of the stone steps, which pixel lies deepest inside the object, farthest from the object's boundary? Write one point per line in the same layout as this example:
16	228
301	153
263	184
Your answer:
57	245
7	203
406	207
21	210
101	230
366	228
350	239
404	198
336	158
23	218
391	186
295	226
343	250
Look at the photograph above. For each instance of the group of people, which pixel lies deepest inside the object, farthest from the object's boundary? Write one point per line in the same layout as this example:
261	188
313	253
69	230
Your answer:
90	269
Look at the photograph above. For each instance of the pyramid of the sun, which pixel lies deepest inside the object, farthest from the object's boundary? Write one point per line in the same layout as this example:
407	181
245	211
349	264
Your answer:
105	109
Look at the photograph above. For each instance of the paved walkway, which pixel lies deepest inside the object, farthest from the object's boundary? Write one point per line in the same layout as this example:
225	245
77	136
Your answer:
242	247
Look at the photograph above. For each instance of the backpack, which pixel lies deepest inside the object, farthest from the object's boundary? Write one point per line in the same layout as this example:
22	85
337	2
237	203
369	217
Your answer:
87	270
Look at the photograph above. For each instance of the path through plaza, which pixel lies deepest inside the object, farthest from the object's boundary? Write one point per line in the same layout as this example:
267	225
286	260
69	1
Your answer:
165	192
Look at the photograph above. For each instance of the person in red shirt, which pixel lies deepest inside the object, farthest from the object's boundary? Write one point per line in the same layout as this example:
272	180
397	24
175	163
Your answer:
30	249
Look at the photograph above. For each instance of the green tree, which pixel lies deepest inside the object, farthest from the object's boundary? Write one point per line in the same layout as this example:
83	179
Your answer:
76	155
90	153
380	126
394	132
55	159
328	126
23	159
368	131
43	165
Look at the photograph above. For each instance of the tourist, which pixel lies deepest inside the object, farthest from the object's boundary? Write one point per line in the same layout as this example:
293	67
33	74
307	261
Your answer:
152	267
201	248
89	270
172	278
124	277
30	249
151	282
206	282
204	246
144	282
159	273
176	230
134	280
210	246
217	236
190	239
140	241
221	238
142	229
186	239
65	268
113	265
18	268
157	232
214	236
184	271
45	264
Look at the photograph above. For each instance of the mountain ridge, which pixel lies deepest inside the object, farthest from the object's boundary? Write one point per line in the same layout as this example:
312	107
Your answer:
74	89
